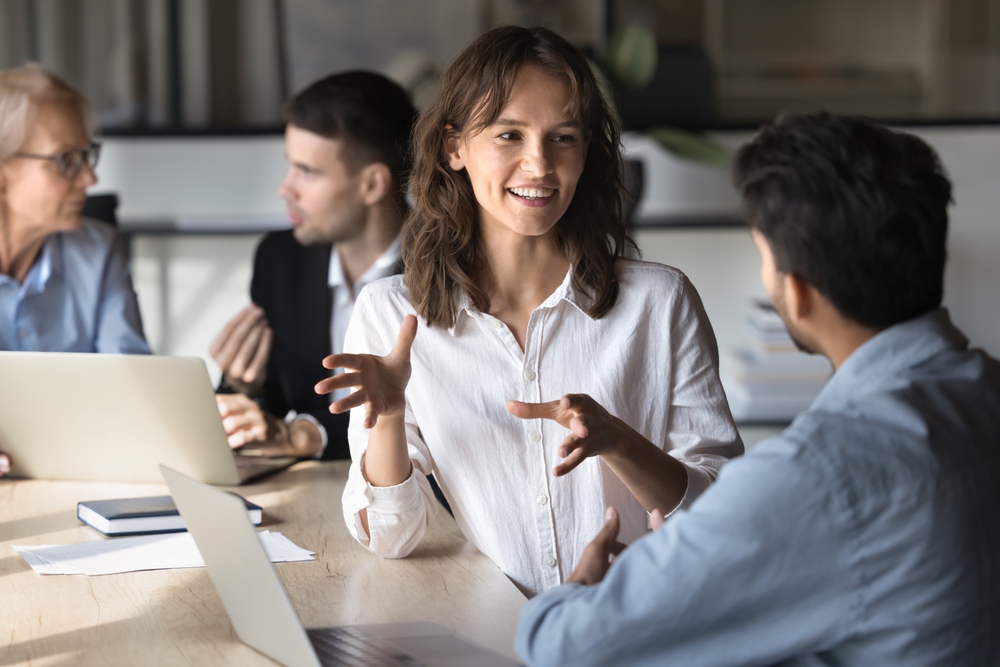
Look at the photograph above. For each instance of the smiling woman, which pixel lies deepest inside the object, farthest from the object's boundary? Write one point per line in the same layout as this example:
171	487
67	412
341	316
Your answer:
515	267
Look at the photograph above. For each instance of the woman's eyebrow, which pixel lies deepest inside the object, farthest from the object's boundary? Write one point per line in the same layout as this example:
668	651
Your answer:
520	123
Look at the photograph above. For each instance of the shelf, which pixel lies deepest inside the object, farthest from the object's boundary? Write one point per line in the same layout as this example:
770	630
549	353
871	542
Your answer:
689	222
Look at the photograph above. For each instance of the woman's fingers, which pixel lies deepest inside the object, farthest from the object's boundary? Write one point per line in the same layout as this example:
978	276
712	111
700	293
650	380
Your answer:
575	458
380	380
360	397
578	425
342	381
400	354
524	410
371	415
568	445
351	362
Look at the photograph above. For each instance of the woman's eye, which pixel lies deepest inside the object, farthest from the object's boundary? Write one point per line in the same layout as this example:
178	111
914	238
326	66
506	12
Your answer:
565	138
510	136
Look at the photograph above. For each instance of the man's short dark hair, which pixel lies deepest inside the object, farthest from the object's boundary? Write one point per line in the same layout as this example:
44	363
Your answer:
856	210
370	114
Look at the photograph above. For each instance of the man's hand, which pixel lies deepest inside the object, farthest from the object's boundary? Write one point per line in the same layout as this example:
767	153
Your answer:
4	464
602	550
380	381
597	555
594	430
242	348
247	426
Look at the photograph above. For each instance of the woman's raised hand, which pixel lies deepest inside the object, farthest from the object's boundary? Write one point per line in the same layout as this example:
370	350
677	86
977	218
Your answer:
593	431
380	381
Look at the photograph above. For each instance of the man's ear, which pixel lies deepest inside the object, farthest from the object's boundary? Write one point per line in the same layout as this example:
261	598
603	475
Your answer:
376	183
453	148
800	297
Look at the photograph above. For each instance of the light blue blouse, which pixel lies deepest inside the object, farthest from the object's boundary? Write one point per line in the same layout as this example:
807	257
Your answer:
77	297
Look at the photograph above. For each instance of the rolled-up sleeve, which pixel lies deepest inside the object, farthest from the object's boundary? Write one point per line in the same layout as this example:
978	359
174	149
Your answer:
701	430
397	515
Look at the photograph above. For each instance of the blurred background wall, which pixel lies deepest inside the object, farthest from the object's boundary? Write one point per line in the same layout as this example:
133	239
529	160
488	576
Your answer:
189	93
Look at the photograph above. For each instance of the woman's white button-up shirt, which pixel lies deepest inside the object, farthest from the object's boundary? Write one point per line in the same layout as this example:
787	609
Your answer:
652	361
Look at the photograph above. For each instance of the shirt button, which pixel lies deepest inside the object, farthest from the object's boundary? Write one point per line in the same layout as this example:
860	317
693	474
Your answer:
535	437
497	324
529	375
542	500
550	561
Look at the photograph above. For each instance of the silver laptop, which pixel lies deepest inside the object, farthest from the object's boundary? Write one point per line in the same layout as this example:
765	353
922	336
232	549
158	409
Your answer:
115	418
264	617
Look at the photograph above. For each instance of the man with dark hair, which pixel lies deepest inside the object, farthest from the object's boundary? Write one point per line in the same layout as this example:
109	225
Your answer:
868	533
347	142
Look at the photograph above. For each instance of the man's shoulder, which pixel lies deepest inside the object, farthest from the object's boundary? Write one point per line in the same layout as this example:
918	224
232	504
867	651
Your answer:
280	251
284	243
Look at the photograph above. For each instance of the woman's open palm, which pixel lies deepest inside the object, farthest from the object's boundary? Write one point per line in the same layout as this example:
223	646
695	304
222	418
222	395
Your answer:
380	381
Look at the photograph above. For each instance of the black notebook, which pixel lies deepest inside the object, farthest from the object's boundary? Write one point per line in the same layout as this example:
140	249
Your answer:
138	516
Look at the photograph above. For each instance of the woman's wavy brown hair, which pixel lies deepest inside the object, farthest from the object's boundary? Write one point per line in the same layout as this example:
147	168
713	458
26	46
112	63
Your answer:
442	244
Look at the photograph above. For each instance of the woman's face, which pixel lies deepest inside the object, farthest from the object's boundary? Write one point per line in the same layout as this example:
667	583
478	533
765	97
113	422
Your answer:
524	167
34	194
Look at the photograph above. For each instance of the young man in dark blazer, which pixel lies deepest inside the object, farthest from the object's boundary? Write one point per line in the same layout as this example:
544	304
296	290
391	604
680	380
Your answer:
346	141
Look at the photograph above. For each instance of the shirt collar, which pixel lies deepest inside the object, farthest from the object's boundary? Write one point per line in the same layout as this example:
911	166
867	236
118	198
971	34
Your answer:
48	264
565	292
891	352
382	267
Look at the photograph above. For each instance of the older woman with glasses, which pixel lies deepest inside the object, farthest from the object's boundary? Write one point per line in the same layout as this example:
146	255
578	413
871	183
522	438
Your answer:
64	279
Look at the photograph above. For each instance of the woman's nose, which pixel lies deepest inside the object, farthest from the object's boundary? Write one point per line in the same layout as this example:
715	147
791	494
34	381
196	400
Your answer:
536	160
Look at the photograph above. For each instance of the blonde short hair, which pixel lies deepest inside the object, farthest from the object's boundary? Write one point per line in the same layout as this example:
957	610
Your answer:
28	86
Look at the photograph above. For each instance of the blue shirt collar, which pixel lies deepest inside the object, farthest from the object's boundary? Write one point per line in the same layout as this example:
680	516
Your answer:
889	353
48	264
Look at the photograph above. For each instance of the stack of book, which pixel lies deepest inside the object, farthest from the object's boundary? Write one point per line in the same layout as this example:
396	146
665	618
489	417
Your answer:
769	379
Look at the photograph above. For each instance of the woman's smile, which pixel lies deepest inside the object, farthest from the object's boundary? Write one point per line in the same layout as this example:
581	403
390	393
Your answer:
524	166
533	197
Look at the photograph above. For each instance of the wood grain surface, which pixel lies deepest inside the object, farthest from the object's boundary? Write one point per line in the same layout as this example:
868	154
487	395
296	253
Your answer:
171	617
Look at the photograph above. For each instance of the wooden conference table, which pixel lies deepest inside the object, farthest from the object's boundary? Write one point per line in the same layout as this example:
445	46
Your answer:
173	617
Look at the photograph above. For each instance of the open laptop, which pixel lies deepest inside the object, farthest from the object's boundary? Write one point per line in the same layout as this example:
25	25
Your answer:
264	617
115	418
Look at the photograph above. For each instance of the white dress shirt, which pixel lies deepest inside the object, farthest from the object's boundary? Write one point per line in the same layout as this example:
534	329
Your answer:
344	294
651	361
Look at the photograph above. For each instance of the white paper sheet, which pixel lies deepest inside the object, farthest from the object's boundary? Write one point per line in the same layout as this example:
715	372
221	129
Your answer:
144	552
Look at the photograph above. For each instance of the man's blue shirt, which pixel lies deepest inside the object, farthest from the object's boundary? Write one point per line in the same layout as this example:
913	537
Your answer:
868	533
77	297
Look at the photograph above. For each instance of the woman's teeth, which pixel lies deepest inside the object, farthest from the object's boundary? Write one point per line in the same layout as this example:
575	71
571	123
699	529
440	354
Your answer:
532	193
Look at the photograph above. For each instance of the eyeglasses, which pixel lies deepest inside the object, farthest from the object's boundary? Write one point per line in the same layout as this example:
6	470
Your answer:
70	163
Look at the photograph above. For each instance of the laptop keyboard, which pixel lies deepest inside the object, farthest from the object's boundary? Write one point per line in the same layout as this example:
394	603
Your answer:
348	647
